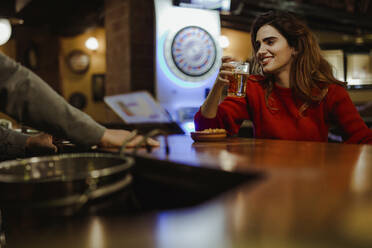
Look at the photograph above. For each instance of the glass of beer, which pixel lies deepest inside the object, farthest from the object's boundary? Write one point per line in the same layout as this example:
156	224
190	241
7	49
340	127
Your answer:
238	82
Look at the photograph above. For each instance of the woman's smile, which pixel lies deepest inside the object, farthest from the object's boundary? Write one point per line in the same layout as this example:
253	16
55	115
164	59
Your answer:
265	60
274	53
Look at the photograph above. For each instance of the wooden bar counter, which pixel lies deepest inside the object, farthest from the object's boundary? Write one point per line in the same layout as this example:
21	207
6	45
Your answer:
301	194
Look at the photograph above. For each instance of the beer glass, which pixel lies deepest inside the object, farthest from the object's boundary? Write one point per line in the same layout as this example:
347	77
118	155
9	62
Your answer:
238	82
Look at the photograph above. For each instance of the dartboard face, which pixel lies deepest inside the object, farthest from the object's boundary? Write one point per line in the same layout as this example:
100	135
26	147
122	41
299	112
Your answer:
192	53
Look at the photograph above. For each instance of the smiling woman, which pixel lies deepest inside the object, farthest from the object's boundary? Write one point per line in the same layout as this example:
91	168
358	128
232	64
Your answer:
292	95
275	54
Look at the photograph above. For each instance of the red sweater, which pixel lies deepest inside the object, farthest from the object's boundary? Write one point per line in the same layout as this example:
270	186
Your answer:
283	121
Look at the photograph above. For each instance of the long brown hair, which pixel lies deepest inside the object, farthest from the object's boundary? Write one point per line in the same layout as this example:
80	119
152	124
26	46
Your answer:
310	73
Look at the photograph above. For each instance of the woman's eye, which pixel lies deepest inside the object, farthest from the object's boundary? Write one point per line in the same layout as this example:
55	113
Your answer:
257	45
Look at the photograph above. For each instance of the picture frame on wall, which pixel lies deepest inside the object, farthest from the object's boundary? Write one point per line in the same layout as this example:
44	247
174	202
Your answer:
98	87
336	59
31	57
359	70
78	100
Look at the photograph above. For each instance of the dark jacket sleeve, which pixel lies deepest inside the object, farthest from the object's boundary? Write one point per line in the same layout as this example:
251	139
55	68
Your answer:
28	99
12	143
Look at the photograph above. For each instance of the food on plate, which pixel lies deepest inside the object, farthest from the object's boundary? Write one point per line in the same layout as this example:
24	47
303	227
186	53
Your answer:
210	134
211	131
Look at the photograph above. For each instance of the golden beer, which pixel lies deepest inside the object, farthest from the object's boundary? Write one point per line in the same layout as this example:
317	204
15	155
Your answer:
238	82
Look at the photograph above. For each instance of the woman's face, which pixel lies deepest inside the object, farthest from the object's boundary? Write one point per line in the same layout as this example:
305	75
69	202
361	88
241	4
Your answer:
274	53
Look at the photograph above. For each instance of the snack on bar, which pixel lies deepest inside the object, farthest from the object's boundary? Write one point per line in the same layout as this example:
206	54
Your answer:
210	134
212	130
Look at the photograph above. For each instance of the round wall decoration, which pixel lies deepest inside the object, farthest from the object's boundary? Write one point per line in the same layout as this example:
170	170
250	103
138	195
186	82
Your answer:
191	53
78	61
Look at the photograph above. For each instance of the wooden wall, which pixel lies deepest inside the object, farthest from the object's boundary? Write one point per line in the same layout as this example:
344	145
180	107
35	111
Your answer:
130	38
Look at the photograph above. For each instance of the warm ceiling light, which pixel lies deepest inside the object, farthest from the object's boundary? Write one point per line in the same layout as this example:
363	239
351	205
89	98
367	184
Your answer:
92	43
224	41
359	40
5	31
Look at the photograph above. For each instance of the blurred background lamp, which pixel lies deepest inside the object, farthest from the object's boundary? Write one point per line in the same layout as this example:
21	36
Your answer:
188	127
359	40
5	31
224	41
92	43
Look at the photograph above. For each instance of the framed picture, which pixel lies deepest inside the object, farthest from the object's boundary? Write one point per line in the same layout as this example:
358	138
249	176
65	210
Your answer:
98	87
78	100
336	59
31	57
359	70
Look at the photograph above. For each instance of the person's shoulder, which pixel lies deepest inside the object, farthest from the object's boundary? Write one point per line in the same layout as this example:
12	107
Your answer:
336	89
336	93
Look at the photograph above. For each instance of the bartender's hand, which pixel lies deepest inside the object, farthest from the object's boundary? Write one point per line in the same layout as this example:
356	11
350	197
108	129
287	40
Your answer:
40	144
116	137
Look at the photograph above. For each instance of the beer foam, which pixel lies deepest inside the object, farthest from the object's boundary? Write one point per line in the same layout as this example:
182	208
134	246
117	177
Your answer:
241	72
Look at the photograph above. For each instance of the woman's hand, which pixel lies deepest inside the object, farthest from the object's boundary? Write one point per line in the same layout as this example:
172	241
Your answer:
226	72
114	138
40	144
210	105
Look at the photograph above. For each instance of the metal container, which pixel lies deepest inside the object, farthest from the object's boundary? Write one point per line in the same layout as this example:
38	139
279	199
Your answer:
62	182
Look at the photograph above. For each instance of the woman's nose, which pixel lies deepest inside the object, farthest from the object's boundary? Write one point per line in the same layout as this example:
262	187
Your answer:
261	50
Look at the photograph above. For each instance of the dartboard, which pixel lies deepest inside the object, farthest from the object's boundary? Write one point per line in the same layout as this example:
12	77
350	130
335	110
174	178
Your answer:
191	52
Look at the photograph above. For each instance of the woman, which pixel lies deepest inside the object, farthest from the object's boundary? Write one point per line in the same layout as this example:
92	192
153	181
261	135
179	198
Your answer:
295	97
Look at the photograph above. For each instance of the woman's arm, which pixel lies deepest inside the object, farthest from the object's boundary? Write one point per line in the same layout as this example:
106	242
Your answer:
346	116
12	143
210	105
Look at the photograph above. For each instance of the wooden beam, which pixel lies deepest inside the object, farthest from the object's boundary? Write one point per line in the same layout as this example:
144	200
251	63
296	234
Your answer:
321	17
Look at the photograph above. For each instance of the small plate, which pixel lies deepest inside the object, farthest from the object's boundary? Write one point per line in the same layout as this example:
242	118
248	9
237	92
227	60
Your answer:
197	136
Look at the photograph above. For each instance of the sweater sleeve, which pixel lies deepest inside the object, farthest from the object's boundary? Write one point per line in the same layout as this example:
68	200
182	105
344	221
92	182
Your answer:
12	143
230	115
345	115
28	99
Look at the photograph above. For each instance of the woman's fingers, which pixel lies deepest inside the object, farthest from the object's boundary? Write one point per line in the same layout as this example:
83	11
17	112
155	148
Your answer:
224	76
226	59
226	70
227	66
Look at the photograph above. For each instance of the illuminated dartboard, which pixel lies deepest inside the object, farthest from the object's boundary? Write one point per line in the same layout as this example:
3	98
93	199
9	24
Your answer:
191	53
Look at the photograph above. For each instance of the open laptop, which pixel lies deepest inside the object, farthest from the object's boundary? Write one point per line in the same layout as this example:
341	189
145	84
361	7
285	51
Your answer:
140	111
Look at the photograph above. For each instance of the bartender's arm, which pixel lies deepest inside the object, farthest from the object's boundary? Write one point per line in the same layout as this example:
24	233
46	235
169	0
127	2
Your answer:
28	99
16	144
